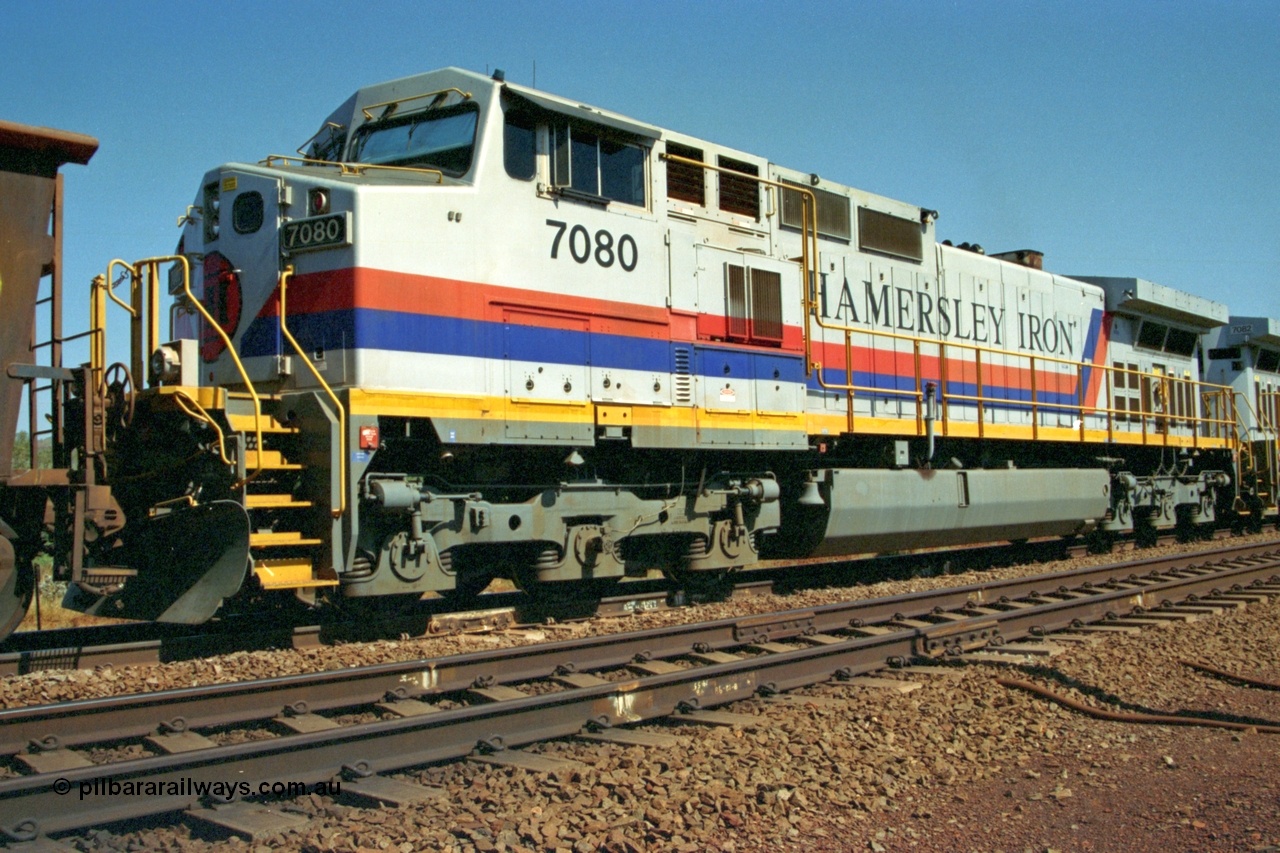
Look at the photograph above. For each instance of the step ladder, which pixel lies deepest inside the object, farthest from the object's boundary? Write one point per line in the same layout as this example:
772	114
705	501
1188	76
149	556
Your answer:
287	554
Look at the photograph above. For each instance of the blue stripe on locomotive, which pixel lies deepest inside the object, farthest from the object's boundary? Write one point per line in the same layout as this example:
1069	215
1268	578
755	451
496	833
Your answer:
424	333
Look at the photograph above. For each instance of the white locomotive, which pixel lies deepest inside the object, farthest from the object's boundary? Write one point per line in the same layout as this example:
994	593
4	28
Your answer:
479	330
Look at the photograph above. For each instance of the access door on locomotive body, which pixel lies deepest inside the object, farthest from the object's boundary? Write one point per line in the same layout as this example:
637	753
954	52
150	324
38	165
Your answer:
736	312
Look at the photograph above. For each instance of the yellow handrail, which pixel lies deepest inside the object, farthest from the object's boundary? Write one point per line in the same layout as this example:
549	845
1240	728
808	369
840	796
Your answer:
151	343
99	292
231	350
148	305
342	415
111	287
1249	407
1082	407
350	168
1267	406
182	398
368	116
98	326
141	305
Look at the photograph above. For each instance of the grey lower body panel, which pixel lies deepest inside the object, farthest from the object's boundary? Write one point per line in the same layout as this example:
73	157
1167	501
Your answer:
874	510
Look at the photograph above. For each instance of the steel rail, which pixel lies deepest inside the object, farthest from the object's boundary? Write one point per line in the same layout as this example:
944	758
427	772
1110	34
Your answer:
152	643
137	715
68	654
33	805
149	643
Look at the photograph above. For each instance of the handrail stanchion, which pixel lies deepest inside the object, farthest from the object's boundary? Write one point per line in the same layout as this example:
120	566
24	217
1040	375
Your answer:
1035	409
285	275
231	351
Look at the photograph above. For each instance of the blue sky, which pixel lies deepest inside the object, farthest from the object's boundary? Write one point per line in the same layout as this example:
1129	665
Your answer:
1120	138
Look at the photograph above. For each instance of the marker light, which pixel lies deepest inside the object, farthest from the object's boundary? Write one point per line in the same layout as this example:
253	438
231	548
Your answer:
317	202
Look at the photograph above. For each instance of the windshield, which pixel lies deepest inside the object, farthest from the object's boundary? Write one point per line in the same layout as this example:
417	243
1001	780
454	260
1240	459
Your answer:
436	139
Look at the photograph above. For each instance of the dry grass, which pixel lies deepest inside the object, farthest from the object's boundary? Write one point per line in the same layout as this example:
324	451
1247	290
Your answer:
50	610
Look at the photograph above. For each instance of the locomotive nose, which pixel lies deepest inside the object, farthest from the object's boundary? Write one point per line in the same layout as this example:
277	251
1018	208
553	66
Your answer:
241	211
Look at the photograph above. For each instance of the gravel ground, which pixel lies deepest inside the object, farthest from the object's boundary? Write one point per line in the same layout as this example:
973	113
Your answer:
46	687
959	763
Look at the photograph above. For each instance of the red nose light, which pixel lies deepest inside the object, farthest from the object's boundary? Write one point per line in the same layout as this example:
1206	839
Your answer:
221	297
317	202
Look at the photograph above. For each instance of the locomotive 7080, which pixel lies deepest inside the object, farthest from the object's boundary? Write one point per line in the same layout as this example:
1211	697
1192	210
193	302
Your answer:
475	330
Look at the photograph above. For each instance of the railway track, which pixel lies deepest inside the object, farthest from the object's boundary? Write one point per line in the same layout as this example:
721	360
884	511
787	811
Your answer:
488	705
149	643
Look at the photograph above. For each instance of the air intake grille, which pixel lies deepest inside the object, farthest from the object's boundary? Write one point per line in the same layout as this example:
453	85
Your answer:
683	377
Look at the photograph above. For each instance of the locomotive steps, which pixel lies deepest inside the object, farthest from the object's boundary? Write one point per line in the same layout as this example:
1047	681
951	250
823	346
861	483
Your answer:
283	540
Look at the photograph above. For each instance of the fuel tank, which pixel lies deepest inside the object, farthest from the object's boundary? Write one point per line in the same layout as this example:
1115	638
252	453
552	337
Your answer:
876	510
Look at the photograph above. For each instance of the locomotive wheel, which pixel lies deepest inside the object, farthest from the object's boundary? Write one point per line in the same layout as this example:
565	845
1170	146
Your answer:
380	606
712	583
469	585
577	598
381	616
1145	533
1101	541
17	583
1256	509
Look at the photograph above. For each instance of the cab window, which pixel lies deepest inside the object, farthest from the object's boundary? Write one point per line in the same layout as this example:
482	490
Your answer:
520	146
591	164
